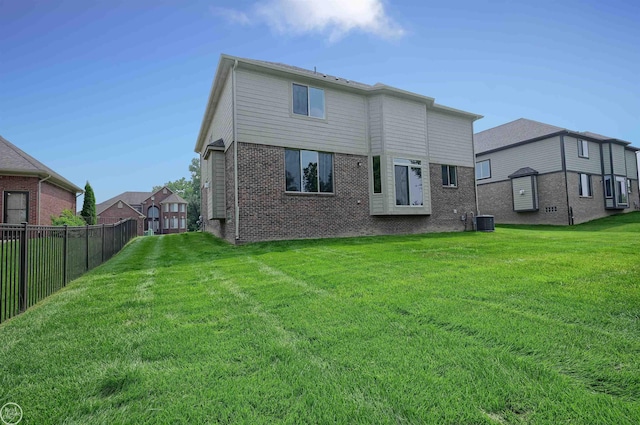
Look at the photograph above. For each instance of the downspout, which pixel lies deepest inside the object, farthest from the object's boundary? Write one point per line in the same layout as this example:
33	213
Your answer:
235	150
566	183
39	190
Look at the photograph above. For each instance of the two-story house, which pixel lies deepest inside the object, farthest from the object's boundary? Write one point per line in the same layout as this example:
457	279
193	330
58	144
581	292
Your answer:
291	153
534	173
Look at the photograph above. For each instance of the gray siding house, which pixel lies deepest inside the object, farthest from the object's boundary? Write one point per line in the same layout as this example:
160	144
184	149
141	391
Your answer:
291	153
528	172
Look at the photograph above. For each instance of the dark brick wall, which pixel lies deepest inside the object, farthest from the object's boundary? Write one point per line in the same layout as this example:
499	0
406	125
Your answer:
53	199
496	199
268	213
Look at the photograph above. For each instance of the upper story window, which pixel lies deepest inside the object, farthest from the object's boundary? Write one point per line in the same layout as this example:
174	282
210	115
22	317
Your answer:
174	207
449	176
377	177
585	185
166	207
182	207
308	171
483	169
308	101
408	182
583	148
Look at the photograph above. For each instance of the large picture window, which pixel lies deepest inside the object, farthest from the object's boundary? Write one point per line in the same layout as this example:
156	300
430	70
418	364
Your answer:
408	182
308	101
308	171
449	176
483	169
585	185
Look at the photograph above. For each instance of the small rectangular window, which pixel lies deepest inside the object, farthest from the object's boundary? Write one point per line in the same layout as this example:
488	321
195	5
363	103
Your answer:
183	222
629	185
174	207
408	182
483	169
308	101
583	148
308	171
377	178
182	207
166	207
449	176
585	185
608	187
166	223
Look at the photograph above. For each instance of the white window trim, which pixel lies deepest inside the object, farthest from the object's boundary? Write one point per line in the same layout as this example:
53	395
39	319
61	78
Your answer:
582	144
449	175
398	161
581	187
479	163
308	116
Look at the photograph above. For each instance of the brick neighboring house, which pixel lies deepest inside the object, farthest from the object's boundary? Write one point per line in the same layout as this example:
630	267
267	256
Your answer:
290	153
534	173
117	209
29	190
163	210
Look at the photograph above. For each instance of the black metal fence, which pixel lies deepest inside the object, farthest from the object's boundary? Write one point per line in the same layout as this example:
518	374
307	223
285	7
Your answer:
36	261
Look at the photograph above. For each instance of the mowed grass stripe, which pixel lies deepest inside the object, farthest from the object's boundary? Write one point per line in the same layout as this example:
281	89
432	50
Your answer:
518	326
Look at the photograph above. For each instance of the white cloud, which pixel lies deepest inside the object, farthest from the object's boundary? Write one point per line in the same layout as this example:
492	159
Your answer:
231	15
334	18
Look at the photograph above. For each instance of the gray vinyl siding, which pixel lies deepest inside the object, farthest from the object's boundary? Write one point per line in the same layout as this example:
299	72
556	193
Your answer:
619	160
207	167
375	123
377	203
405	127
525	202
543	156
388	183
606	157
450	139
222	123
263	107
632	164
590	165
608	202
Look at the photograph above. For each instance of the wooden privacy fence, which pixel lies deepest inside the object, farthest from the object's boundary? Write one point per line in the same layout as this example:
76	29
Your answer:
36	261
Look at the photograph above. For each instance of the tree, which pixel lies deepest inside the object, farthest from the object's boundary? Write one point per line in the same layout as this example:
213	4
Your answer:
67	217
189	190
88	212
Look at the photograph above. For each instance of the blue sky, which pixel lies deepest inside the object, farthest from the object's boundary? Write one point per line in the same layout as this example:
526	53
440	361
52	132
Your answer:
114	91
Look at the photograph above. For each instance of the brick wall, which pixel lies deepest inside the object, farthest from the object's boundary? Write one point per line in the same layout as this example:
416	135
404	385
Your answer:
20	184
113	214
590	208
268	213
53	200
496	199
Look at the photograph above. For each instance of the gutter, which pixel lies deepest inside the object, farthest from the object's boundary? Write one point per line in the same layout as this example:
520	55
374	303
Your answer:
235	150
39	189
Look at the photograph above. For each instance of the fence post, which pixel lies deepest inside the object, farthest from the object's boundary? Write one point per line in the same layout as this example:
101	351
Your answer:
23	290
87	240
65	255
102	236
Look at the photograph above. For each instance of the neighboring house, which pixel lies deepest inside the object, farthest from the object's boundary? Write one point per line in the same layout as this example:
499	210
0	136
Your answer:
29	190
117	209
291	153
163	211
533	173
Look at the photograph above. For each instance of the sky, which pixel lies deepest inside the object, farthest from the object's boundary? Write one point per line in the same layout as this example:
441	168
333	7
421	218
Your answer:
113	92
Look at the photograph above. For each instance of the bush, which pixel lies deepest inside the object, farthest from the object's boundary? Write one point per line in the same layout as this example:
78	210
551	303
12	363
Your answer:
69	218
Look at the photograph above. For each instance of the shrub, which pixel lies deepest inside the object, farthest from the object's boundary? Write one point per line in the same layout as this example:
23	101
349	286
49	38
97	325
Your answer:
67	217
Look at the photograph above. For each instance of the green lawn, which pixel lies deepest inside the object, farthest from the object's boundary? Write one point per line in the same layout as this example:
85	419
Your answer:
518	326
